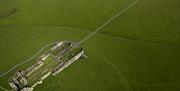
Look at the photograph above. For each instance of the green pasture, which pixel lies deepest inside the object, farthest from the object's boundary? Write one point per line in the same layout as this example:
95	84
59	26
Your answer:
138	51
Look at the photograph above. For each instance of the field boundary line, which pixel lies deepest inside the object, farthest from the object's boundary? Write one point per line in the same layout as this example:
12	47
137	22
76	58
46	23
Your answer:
4	89
164	43
26	61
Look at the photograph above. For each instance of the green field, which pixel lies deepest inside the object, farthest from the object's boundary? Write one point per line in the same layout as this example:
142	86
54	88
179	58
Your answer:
138	51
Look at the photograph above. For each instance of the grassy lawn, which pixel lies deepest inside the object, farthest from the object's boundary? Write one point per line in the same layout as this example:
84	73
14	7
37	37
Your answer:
48	66
138	51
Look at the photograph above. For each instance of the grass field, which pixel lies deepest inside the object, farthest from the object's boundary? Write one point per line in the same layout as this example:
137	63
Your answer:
138	51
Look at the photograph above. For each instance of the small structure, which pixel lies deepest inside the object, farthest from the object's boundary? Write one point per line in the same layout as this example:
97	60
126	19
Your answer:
53	62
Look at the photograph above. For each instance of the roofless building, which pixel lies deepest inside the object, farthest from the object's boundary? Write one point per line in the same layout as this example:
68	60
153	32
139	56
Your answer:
52	62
